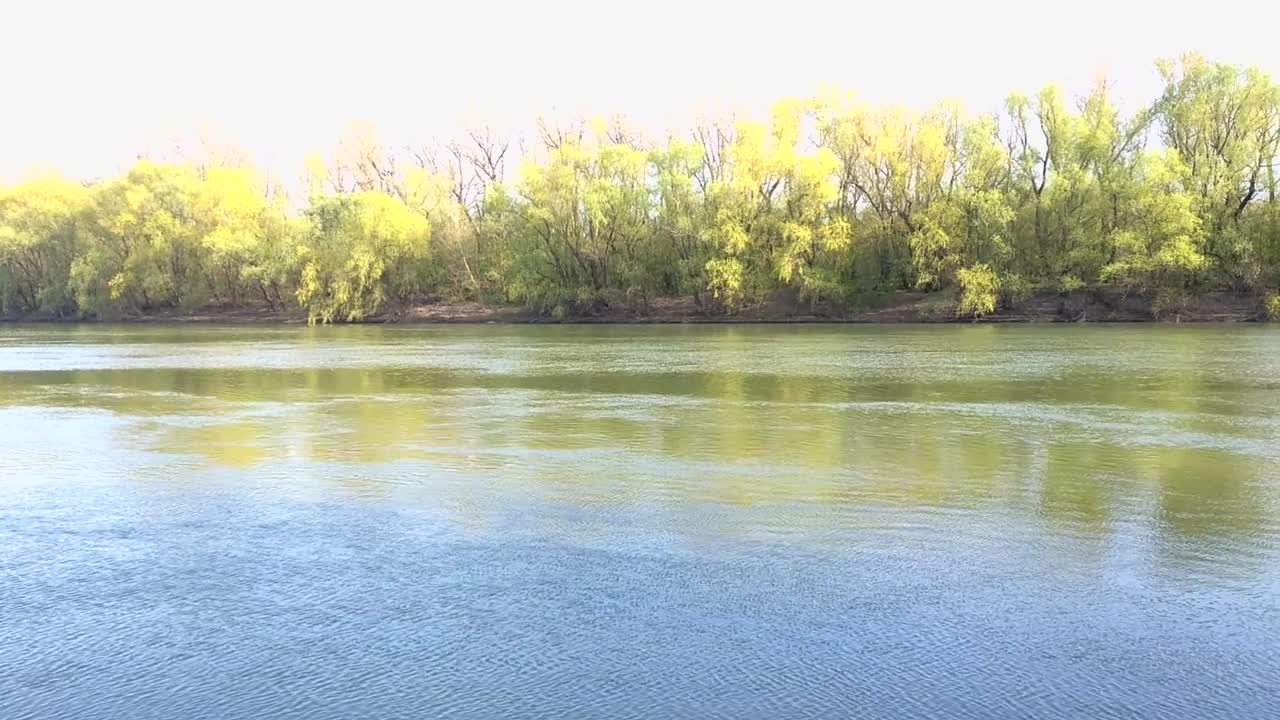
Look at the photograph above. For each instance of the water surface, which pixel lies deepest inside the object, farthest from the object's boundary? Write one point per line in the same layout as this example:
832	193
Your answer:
639	522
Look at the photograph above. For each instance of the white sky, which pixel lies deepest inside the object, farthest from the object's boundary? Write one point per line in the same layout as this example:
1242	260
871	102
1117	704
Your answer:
86	86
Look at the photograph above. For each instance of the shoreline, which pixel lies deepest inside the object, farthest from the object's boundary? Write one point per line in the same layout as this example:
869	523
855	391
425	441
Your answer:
903	308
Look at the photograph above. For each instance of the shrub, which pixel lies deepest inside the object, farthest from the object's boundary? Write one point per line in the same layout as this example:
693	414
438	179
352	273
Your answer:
979	291
1271	306
1014	289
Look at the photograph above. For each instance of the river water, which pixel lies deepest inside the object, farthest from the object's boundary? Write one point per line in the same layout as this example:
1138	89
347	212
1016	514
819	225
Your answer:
639	522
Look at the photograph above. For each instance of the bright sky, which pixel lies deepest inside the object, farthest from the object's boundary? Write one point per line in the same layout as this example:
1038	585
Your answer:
89	85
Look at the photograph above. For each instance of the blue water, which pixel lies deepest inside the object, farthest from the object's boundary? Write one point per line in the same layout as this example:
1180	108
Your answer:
188	533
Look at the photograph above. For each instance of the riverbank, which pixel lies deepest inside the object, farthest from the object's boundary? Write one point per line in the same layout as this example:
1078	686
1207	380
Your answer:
907	307
1105	305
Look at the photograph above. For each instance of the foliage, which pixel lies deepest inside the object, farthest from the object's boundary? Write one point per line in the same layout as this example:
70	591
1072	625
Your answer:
39	240
146	244
979	291
1271	306
349	245
579	223
827	200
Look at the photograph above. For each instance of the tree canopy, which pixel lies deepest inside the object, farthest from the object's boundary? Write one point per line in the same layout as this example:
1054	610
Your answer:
832	201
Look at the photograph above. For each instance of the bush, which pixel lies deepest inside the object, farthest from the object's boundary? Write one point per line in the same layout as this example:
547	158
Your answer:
1271	306
1014	289
1168	301
979	291
1070	283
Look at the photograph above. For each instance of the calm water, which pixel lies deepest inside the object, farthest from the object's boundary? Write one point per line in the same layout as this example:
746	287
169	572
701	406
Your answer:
635	522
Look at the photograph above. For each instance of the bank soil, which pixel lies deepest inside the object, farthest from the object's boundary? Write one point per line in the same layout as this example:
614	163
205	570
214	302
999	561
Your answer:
1092	306
1104	305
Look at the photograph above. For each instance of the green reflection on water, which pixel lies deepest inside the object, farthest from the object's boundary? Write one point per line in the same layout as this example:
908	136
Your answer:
1083	432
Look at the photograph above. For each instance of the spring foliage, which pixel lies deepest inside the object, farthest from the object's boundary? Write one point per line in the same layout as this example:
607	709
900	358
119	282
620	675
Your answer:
829	200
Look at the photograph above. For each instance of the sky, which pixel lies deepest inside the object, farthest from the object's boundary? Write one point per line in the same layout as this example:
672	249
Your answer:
89	86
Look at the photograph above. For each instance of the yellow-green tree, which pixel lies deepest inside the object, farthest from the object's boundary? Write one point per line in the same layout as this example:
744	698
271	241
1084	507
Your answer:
238	221
680	248
827	202
144	243
770	215
892	166
1161	249
582	217
39	241
1224	124
357	253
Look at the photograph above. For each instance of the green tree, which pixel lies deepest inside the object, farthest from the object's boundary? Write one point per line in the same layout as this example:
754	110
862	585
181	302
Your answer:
39	241
581	221
1161	249
1224	124
680	244
145	243
357	253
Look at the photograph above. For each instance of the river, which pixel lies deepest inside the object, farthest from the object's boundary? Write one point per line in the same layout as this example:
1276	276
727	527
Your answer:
639	522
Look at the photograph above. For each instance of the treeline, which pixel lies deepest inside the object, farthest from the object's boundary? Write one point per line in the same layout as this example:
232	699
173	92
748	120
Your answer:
833	201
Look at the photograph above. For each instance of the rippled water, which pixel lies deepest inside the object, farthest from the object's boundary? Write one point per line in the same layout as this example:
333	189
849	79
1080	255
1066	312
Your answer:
639	522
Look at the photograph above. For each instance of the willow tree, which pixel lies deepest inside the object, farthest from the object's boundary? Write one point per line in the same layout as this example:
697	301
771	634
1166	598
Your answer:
241	224
1224	124
1162	247
461	188
144	246
581	222
893	165
680	244
771	221
357	253
967	221
39	241
1073	182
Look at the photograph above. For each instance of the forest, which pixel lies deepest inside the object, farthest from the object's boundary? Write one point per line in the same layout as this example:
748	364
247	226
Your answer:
838	203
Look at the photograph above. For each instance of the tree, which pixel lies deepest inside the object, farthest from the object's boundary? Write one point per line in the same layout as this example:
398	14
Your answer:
1224	124
827	202
892	165
580	222
1161	250
145	243
680	249
771	219
233	211
39	240
357	253
453	187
